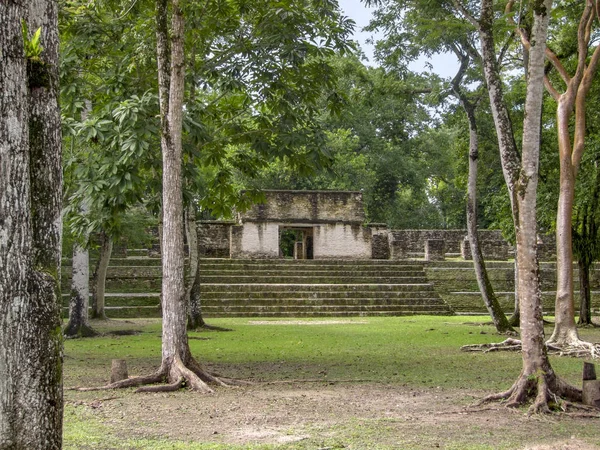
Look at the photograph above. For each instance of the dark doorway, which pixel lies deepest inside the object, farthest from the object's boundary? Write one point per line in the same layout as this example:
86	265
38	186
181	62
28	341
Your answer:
296	242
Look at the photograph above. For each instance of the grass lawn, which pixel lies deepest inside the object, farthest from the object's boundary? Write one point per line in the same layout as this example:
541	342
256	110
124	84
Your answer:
397	382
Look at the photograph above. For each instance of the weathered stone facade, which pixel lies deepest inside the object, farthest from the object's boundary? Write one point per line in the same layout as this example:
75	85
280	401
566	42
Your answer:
330	225
214	239
412	242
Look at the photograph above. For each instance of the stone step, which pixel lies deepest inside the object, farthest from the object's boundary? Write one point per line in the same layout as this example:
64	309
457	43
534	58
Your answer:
125	272
315	287
472	302
152	312
124	299
325	302
156	271
119	262
315	271
324	312
117	285
137	252
294	293
322	279
307	262
126	312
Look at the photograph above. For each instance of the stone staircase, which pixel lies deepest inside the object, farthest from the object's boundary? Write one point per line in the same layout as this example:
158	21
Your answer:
281	288
277	288
456	283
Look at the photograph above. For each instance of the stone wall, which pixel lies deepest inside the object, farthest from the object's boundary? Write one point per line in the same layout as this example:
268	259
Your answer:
492	250
347	241
255	240
308	207
413	241
214	239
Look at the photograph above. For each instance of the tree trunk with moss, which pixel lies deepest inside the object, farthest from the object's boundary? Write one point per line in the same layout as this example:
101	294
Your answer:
192	291
585	295
30	231
99	278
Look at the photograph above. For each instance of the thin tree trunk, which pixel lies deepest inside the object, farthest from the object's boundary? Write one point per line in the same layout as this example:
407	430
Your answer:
195	319
30	232
483	281
78	325
99	278
565	330
516	315
585	311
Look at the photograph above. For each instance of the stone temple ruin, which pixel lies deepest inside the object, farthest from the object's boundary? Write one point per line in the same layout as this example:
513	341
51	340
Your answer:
309	253
331	225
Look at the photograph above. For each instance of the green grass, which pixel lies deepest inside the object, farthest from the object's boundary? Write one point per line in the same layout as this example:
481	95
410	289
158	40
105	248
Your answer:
416	351
411	352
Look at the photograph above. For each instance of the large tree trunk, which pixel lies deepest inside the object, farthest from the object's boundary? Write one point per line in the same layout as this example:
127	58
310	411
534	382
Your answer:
483	281
99	278
178	367
78	325
30	232
537	377
573	99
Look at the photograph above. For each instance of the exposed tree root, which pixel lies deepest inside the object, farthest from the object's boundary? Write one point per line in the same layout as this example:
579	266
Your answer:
509	344
580	349
548	392
176	375
81	331
207	327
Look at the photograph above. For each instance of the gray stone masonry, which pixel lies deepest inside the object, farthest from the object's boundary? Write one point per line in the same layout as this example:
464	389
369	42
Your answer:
492	250
435	250
214	238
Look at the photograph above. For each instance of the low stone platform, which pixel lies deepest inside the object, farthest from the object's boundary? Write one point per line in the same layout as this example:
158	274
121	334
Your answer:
284	287
278	288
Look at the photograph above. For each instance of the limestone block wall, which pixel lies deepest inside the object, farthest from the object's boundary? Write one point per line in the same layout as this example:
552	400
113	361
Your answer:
255	240
412	242
308	207
348	241
214	239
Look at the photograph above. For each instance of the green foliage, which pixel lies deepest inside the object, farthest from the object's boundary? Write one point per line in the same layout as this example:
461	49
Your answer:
32	46
254	74
375	146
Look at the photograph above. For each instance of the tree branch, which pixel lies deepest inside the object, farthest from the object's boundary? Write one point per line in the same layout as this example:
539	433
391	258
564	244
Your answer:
463	10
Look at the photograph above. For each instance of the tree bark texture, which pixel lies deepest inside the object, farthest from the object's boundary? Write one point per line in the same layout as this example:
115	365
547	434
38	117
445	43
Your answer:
174	339
99	278
483	281
516	315
78	325
573	99
30	232
192	291
585	295
537	377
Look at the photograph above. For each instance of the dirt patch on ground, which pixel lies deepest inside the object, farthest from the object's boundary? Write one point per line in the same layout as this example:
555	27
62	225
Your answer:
334	415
